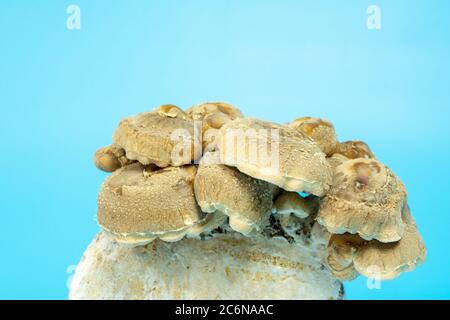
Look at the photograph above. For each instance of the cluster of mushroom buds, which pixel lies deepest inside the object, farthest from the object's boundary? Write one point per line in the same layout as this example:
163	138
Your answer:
209	169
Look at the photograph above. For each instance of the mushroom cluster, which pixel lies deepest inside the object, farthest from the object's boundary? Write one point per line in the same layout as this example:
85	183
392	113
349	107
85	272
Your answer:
209	170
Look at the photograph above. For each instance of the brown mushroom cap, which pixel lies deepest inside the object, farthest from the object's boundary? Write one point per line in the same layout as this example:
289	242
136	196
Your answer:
341	251
110	158
294	161
319	130
292	202
202	110
336	160
354	150
245	200
385	261
366	198
209	117
134	203
152	137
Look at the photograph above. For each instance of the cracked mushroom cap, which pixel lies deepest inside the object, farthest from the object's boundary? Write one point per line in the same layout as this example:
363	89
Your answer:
136	205
319	130
164	136
245	200
366	198
292	202
277	154
111	158
354	150
386	261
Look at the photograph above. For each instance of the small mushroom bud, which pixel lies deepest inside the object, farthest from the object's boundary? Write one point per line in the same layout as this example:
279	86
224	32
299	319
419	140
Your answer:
171	111
292	202
110	158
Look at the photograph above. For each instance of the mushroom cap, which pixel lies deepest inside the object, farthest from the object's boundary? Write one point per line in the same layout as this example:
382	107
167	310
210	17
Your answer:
202	110
152	137
336	160
292	202
245	200
110	158
366	198
386	261
320	130
341	251
278	154
355	149
211	116
136	203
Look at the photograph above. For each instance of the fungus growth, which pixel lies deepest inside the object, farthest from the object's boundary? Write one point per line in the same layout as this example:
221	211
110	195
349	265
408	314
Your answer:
210	173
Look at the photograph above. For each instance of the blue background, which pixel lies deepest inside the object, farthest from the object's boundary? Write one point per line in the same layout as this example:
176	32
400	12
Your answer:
63	92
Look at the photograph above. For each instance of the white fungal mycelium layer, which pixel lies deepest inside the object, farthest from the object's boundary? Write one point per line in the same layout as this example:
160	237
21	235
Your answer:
226	266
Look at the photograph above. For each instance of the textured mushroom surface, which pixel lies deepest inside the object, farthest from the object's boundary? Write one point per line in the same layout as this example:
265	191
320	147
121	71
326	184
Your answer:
208	204
111	158
129	203
209	117
292	202
342	249
203	110
387	261
227	266
319	130
245	200
164	136
349	255
354	150
366	198
274	153
336	160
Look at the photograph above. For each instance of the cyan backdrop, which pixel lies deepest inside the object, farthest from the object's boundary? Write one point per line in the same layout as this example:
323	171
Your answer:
62	92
